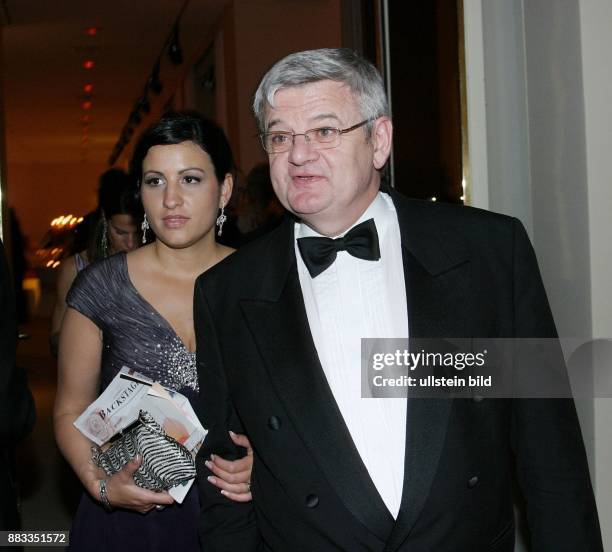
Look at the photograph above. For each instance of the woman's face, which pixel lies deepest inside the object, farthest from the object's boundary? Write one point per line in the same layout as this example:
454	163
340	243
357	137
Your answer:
123	234
181	194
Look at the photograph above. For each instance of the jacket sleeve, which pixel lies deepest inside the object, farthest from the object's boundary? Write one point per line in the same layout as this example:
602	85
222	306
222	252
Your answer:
551	461
224	525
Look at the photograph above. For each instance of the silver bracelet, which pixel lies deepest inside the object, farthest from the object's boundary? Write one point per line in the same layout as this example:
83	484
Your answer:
104	496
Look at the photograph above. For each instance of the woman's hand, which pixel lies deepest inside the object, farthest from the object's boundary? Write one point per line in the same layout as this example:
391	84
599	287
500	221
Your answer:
233	477
122	492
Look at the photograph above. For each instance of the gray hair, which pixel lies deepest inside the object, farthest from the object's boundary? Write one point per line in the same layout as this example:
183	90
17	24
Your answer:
336	64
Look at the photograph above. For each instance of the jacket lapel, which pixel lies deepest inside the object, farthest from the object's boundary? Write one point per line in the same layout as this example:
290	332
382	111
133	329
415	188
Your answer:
279	324
437	281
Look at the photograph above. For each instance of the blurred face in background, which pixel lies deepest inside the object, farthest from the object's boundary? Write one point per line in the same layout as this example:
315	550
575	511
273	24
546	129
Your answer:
123	233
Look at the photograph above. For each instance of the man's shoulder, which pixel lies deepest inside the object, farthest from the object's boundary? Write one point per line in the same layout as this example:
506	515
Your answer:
250	263
447	211
451	219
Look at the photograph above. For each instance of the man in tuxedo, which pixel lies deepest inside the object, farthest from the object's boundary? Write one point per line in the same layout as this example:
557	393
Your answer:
279	327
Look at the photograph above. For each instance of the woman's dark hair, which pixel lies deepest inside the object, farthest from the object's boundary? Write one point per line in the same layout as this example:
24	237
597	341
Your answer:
116	196
176	127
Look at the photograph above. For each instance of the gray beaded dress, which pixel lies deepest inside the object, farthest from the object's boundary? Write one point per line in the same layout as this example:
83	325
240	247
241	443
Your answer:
135	335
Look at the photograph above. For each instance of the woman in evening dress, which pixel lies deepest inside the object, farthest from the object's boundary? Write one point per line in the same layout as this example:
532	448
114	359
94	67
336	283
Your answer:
135	309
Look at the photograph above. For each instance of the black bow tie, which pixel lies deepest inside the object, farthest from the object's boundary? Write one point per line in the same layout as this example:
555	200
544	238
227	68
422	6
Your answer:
319	253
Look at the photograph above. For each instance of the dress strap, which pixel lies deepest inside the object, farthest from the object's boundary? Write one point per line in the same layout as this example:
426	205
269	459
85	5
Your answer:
79	262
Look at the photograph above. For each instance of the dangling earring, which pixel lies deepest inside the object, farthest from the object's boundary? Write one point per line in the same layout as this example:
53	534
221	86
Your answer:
221	219
144	227
104	236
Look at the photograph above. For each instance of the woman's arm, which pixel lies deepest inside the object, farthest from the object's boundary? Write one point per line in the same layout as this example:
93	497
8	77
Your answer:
80	353
65	277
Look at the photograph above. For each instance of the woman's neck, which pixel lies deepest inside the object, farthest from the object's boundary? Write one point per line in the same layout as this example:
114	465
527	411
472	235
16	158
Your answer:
188	261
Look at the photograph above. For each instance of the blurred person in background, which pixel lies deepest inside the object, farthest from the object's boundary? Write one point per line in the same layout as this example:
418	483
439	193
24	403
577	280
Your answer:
259	208
116	229
81	235
19	265
17	413
136	310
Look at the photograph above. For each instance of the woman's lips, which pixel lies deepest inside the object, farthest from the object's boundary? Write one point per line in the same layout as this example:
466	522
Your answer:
175	221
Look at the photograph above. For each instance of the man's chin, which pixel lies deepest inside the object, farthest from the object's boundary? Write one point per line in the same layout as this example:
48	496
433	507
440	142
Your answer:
304	210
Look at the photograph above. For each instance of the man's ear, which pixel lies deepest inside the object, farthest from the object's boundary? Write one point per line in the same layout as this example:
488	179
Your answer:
226	190
382	138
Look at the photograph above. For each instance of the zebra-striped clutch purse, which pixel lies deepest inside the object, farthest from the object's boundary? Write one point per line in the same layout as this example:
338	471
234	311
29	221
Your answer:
165	462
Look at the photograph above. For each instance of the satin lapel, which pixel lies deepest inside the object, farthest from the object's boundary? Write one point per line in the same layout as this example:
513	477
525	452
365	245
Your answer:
437	280
279	325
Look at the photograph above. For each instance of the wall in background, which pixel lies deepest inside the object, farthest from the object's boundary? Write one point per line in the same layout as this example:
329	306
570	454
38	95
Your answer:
539	84
75	187
595	24
256	34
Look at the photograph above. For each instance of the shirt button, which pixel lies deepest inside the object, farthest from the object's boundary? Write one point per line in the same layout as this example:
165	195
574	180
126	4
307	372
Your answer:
472	482
274	423
312	501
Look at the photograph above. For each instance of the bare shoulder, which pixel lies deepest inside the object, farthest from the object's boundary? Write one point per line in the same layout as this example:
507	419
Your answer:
139	259
139	254
225	251
66	273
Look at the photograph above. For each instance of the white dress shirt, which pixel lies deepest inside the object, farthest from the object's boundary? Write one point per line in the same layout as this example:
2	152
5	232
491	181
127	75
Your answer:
355	298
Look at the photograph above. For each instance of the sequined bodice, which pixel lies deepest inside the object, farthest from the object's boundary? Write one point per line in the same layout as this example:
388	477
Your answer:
134	333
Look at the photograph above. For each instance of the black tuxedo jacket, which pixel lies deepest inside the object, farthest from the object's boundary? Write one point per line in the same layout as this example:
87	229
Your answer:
468	273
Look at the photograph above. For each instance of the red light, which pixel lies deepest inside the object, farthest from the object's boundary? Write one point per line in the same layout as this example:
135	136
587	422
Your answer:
88	88
86	118
86	104
89	64
92	31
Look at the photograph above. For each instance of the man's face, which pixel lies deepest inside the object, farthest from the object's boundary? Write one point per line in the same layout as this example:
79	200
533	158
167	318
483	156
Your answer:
328	189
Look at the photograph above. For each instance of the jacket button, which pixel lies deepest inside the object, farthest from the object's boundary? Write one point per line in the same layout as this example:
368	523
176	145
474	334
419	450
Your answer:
472	482
274	423
312	500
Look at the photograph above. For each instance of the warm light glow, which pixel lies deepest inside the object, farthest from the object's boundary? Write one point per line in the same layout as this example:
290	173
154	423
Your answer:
88	88
87	104
65	221
434	198
89	64
49	264
92	31
55	264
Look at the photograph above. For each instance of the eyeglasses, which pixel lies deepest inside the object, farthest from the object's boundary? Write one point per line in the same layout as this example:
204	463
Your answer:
317	138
